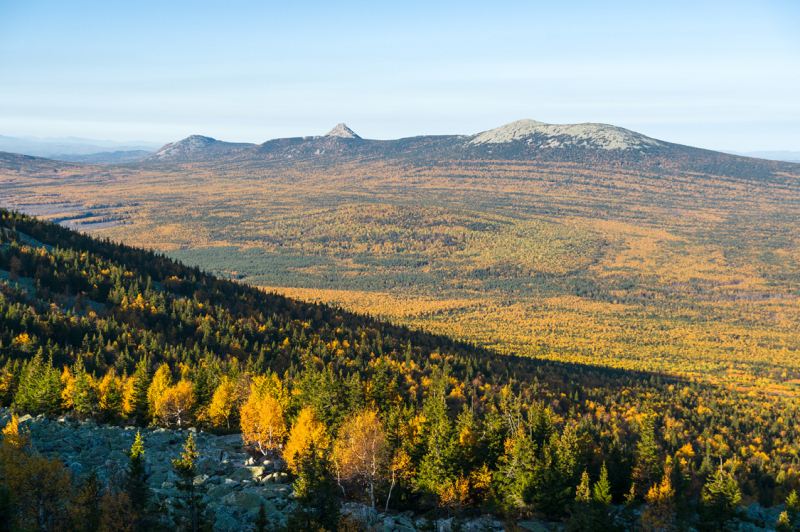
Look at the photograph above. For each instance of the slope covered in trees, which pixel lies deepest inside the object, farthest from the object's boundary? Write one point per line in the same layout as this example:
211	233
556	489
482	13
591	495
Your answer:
96	329
670	268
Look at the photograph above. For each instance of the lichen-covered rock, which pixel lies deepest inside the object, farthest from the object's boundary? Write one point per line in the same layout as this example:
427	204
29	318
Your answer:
247	473
225	522
233	494
248	500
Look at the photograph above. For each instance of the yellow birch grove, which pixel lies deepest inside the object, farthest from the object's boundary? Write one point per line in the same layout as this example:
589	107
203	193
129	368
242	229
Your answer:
110	393
128	396
161	382
223	403
307	430
262	423
360	451
175	404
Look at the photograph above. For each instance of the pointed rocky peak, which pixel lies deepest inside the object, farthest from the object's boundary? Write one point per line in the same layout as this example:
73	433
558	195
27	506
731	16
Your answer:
342	131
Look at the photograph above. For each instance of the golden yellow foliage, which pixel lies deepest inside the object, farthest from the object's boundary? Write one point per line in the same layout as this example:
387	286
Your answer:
308	430
223	403
161	382
262	423
6	387
175	404
128	395
660	513
360	451
40	487
454	494
67	388
481	478
110	392
270	384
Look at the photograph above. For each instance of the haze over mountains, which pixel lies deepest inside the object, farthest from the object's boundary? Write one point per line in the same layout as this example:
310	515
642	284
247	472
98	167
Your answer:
523	139
527	140
788	156
75	149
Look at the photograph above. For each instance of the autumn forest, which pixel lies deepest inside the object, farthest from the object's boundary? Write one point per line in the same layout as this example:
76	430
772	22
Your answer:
607	346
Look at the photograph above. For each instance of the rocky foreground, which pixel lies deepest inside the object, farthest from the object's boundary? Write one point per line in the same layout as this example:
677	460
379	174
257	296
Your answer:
233	485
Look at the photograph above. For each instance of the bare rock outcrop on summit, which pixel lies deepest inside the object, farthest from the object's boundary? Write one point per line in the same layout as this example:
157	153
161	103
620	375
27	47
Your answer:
342	131
601	136
590	144
196	146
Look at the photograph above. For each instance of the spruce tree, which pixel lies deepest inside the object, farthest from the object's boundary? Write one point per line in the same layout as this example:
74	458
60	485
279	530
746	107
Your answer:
581	518
601	493
135	485
261	520
647	471
793	507
39	387
141	382
720	499
191	515
203	385
315	495
582	493
85	395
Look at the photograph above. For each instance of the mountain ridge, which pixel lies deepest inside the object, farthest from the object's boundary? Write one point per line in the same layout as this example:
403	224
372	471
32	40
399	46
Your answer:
587	144
196	146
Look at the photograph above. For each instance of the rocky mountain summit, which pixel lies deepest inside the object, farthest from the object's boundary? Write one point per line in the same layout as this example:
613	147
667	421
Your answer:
196	147
539	134
342	131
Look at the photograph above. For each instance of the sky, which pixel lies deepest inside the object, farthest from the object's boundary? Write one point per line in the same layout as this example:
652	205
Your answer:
719	75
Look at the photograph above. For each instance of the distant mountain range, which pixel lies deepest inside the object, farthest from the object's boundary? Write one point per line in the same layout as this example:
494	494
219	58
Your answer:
588	144
76	149
598	145
788	156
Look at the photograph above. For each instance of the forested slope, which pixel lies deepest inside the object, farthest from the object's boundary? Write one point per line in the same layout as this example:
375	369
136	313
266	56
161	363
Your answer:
666	258
96	329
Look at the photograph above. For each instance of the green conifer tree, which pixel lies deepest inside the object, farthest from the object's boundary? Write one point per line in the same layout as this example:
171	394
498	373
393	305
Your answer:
191	515
581	516
601	493
85	397
315	495
39	387
720	499
793	507
647	471
135	485
141	382
583	493
261	520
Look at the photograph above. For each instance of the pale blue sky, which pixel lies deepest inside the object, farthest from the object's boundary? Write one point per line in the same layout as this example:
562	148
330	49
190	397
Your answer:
720	75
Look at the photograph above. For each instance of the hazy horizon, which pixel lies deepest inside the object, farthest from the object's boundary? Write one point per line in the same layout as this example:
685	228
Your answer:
716	75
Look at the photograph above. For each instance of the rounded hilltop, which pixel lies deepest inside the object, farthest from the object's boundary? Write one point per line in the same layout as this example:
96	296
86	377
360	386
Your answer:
601	136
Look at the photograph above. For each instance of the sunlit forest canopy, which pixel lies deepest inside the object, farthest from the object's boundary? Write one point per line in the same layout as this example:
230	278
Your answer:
652	266
91	328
